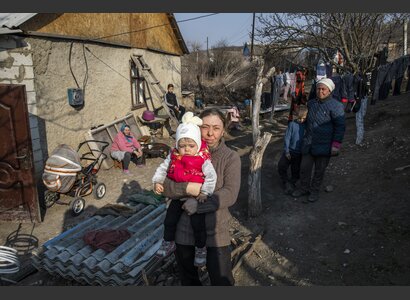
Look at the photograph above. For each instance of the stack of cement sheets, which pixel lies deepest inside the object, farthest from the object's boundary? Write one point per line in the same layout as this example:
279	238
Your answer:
70	257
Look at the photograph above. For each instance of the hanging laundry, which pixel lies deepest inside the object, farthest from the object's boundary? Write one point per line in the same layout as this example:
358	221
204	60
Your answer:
348	79
320	70
233	114
385	75
266	101
401	68
408	81
299	96
276	87
292	83
312	93
329	70
338	92
379	84
360	114
288	84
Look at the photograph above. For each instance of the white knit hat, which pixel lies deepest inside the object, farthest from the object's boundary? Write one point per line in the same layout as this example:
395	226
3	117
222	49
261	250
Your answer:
189	128
327	82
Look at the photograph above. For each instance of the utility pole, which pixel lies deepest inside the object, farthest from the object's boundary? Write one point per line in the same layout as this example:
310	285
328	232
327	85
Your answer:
253	31
207	49
405	36
197	61
207	60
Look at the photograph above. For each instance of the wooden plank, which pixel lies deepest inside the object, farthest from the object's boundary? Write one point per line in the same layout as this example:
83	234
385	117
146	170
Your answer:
247	254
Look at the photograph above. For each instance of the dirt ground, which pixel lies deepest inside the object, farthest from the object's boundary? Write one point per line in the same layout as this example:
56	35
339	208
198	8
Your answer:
358	234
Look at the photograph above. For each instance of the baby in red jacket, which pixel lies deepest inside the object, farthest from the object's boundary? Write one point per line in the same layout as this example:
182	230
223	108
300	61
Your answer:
189	161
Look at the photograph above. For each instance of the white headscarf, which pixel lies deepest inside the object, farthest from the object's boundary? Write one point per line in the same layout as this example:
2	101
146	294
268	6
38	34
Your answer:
327	82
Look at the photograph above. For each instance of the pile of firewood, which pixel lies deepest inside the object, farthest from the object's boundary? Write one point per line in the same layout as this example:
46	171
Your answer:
165	273
244	246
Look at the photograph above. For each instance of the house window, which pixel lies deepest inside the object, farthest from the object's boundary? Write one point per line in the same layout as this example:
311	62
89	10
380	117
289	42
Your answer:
137	88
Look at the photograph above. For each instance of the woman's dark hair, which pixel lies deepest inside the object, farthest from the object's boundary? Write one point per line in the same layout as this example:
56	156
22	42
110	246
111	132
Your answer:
170	85
213	112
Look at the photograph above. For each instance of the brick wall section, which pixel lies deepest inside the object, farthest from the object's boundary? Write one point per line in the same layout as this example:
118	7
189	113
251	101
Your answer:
16	67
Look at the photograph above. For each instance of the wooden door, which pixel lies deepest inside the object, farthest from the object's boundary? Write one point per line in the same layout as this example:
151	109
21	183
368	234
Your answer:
18	191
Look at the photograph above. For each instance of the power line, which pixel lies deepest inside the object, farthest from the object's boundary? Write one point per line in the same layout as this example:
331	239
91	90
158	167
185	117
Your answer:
86	48
107	64
242	28
241	37
156	26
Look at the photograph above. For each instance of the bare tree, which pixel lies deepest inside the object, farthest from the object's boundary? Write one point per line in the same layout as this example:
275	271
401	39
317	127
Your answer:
259	146
357	36
218	57
194	65
194	46
225	77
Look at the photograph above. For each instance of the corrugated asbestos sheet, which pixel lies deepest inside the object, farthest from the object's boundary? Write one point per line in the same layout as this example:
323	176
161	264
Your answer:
11	20
68	256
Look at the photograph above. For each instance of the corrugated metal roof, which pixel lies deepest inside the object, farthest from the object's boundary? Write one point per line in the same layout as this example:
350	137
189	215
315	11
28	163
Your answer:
70	257
9	31
11	20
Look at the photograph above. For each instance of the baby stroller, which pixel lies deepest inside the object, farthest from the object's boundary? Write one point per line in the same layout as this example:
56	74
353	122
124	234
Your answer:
63	174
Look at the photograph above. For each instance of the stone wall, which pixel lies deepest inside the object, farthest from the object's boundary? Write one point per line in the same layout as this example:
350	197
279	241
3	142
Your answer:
107	91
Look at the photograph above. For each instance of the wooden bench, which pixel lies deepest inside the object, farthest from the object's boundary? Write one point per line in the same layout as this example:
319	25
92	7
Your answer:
156	126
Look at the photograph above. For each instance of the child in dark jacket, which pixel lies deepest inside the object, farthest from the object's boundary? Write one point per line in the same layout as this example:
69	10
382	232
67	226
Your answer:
292	155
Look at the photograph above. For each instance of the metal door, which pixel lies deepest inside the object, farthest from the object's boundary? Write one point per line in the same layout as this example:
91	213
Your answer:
18	191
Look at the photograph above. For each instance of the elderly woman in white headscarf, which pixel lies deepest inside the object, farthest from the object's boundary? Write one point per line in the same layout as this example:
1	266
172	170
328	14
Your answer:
325	128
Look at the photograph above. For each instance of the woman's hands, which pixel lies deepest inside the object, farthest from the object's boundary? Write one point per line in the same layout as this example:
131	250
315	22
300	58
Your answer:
190	206
138	152
202	198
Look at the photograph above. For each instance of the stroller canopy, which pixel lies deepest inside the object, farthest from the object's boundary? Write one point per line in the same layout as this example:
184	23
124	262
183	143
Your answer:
61	169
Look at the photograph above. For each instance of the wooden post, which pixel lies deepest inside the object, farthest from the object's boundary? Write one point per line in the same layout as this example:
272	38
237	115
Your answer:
247	254
260	144
257	104
254	179
253	31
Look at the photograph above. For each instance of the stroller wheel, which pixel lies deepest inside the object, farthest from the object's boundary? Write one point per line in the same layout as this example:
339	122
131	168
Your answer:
77	206
164	154
50	198
99	191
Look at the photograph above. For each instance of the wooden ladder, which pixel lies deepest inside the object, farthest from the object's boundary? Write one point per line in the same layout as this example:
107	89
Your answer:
153	82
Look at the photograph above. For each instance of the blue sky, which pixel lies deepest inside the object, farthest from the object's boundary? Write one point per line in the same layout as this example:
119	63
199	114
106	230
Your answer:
234	27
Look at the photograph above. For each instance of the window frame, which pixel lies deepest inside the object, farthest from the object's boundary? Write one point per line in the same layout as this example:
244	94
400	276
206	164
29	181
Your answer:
137	88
